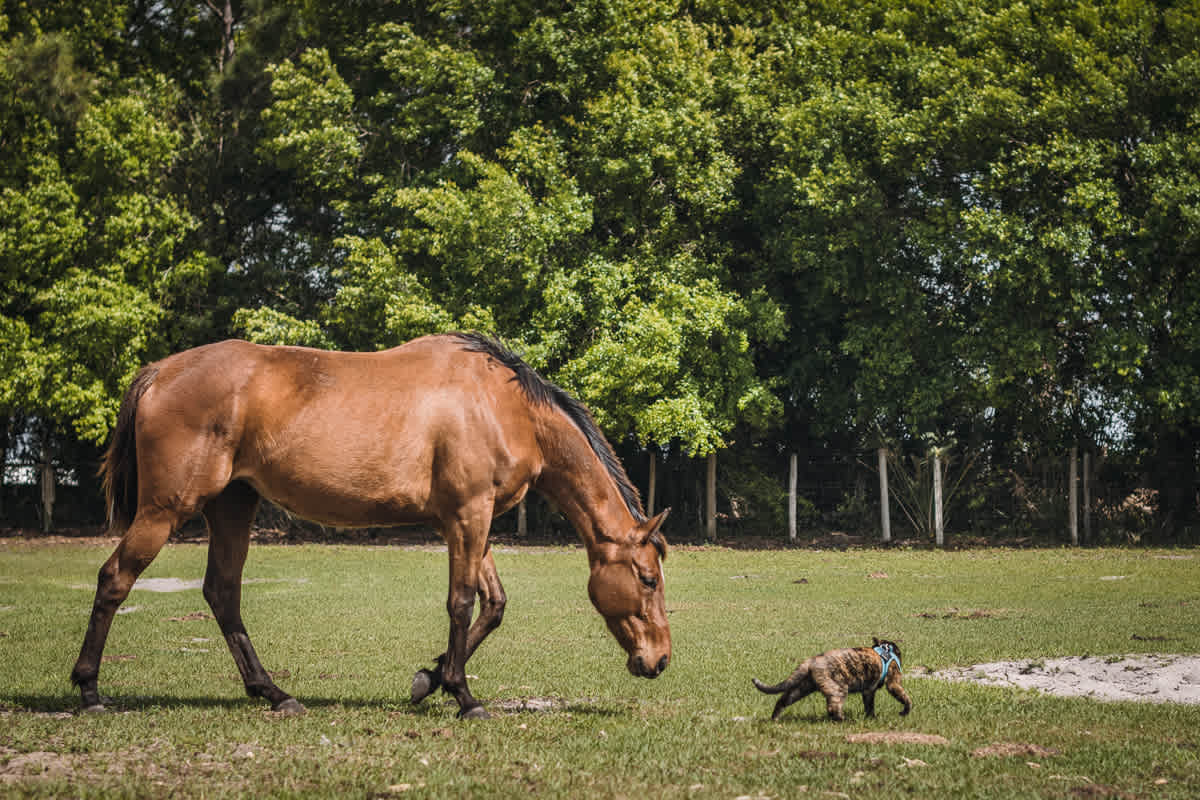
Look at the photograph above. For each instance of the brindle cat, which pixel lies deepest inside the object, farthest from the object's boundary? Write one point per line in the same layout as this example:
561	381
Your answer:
837	673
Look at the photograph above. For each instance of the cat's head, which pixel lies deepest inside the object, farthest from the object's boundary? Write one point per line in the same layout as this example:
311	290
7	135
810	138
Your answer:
887	646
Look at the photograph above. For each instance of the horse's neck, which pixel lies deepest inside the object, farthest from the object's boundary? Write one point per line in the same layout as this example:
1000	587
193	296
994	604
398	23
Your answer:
576	481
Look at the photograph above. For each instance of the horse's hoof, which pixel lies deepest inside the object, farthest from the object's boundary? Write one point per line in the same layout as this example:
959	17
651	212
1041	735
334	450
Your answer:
291	707
95	708
474	712
423	685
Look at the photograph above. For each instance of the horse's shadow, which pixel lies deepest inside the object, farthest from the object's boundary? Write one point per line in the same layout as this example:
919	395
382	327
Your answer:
69	704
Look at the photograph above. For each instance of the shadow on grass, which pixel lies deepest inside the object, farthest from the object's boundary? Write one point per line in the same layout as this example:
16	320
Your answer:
117	704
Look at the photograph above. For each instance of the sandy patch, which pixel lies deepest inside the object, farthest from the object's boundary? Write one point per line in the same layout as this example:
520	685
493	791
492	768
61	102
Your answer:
185	585
1142	678
896	737
517	705
168	584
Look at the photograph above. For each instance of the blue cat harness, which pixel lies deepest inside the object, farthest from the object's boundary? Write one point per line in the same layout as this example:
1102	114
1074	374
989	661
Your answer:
887	655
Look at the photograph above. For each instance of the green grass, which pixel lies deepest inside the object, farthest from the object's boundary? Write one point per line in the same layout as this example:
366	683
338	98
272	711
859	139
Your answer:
344	628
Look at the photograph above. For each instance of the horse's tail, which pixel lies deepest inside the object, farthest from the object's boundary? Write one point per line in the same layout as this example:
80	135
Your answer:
119	469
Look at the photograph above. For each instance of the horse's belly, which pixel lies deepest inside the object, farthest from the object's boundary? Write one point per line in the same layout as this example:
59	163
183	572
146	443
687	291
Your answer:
342	497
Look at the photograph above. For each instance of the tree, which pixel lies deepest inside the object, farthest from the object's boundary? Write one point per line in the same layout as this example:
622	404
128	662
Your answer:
86	237
590	249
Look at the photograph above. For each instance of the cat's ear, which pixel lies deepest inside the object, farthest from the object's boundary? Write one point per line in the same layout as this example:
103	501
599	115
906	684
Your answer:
875	640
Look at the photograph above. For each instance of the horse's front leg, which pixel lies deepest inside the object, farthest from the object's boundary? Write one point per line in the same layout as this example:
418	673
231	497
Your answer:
466	540
460	604
492	600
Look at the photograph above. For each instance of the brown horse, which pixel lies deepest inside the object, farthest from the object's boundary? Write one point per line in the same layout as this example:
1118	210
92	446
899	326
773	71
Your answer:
446	430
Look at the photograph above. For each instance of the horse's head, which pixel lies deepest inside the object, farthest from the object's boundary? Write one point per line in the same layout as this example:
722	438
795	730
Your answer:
626	587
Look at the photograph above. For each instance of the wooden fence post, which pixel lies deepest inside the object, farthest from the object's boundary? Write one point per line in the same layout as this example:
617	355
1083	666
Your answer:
710	517
1073	496
939	531
653	484
792	498
885	516
522	522
47	495
1087	496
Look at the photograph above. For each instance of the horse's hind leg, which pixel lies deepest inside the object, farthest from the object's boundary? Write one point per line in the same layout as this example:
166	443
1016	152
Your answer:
492	600
137	548
229	516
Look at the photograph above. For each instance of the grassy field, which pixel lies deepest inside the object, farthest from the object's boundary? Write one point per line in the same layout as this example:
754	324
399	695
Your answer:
344	627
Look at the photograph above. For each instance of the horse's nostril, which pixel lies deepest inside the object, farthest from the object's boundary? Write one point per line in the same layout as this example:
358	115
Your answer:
662	664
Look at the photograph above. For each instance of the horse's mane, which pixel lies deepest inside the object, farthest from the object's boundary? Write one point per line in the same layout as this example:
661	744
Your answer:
543	392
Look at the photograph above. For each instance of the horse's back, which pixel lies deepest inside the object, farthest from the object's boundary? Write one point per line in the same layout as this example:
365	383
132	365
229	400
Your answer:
343	438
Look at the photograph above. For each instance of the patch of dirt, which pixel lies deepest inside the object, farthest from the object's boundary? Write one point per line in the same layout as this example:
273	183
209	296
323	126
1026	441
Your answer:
40	764
816	755
1008	749
896	737
395	790
436	733
300	532
517	705
1100	790
22	537
1141	678
955	613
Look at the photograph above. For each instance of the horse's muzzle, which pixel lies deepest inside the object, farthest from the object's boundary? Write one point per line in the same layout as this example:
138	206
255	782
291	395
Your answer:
638	667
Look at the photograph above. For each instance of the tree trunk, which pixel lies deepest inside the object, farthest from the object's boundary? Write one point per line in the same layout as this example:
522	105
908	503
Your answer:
653	484
939	531
710	517
1073	496
224	13
792	498
885	516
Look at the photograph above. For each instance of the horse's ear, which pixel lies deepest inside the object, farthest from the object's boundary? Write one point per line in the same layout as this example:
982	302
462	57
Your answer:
651	526
650	534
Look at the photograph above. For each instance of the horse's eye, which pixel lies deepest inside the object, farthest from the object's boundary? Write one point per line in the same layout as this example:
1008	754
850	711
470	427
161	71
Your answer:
649	583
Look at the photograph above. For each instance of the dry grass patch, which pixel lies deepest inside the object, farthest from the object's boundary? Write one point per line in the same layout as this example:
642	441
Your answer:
1009	749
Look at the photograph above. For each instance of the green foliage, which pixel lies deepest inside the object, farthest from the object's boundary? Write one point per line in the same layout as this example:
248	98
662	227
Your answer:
309	125
378	303
428	94
268	326
95	333
700	217
675	365
86	232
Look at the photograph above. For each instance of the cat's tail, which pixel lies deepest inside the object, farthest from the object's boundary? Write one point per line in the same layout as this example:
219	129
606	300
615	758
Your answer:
776	689
801	674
